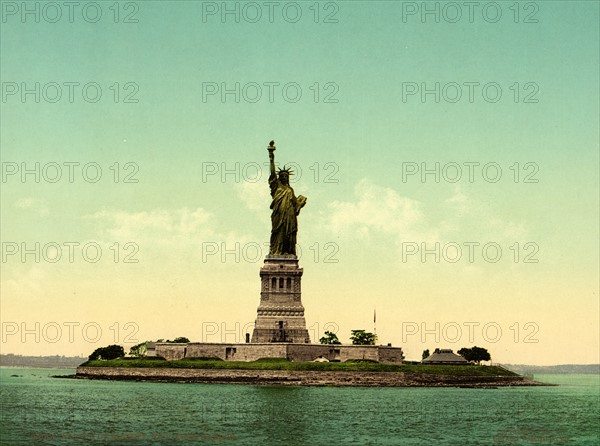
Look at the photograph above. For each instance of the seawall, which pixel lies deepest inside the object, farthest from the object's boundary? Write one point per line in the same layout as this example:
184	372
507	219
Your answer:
298	378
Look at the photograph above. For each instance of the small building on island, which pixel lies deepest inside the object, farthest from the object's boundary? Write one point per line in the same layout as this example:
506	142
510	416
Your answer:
445	357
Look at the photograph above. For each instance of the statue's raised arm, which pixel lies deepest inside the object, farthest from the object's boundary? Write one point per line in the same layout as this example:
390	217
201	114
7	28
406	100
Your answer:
271	150
286	206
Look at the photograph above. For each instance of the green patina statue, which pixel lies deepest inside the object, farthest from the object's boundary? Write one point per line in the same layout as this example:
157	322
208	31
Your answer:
286	206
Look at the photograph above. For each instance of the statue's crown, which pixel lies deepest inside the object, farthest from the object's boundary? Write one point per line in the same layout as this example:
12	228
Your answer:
285	170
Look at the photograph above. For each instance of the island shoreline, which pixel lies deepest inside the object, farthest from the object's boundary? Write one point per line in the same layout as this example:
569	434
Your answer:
299	378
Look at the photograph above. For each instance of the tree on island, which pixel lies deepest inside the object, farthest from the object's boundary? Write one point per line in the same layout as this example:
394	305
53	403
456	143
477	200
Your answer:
139	350
362	337
425	354
179	340
109	352
475	354
329	338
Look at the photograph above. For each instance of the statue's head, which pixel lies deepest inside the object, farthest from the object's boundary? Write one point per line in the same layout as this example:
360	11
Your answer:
284	175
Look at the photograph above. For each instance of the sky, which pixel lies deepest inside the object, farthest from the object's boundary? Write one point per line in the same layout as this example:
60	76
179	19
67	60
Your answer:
449	156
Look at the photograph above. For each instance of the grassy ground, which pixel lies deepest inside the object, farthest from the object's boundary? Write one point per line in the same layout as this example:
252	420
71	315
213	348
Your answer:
282	364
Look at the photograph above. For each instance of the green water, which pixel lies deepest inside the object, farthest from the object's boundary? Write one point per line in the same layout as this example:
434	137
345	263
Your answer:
39	410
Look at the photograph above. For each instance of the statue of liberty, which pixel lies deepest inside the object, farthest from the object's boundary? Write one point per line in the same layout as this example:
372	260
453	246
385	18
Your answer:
286	207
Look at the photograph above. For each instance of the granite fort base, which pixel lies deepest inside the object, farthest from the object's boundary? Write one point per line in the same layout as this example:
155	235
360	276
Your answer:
283	350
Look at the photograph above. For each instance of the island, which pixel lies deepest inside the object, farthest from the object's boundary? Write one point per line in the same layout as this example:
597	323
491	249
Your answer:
279	351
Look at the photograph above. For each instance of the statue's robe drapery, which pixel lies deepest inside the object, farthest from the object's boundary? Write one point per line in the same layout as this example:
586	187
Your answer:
284	223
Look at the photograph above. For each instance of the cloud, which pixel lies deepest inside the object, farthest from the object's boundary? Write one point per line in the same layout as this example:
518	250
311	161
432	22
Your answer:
178	233
26	284
32	204
480	218
378	210
458	200
159	222
509	231
256	196
382	213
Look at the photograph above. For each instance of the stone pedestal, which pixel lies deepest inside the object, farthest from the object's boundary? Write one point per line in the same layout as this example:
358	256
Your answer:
280	315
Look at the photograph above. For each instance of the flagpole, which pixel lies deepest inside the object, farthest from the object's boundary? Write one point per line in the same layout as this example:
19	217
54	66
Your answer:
374	321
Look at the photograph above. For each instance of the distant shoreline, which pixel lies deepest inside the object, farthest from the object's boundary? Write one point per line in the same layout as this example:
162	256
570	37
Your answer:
299	377
39	367
44	362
